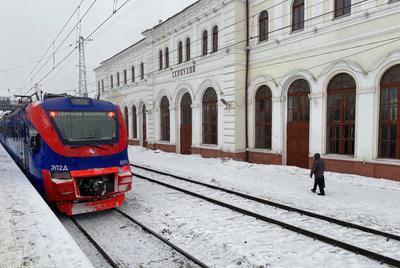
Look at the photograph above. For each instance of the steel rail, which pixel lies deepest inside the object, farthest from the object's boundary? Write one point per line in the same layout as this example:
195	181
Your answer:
279	205
94	243
175	247
357	250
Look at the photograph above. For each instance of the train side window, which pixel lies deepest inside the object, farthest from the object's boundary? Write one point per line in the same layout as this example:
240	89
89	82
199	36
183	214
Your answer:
34	139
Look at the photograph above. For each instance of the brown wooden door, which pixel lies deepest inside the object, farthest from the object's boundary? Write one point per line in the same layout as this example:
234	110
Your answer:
297	142
186	124
144	129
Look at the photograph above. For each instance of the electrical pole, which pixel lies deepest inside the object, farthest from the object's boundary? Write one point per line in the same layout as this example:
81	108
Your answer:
82	69
37	91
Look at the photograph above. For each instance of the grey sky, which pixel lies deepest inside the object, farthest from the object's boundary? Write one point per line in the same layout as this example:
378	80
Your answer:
29	26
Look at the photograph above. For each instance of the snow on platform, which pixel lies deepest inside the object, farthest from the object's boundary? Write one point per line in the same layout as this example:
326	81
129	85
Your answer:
30	233
371	202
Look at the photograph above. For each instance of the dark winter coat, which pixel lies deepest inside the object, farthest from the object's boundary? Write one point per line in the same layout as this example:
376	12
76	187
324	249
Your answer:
318	167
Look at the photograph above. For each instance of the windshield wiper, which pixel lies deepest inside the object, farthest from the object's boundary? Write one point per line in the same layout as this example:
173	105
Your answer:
98	145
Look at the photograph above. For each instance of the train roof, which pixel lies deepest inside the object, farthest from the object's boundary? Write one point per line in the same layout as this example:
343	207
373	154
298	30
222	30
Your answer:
76	103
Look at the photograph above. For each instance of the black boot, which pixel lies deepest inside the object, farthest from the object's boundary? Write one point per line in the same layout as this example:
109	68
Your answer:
321	193
313	190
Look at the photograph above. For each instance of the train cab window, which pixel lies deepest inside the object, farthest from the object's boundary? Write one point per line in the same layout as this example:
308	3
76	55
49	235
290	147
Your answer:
82	127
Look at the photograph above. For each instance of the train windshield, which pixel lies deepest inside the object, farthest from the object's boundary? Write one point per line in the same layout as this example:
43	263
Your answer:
86	127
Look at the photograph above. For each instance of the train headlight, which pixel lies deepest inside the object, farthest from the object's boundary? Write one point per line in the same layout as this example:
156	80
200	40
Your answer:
61	176
124	171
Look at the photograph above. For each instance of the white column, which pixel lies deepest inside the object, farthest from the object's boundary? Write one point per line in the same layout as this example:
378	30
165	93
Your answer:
221	130
130	123
172	124
317	127
364	124
140	126
156	127
277	121
196	124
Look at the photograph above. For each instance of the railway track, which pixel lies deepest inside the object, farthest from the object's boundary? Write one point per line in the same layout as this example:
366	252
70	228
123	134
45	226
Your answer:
95	244
113	263
159	237
335	242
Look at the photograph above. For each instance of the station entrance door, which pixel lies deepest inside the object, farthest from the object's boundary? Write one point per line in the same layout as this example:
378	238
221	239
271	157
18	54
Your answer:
298	115
186	124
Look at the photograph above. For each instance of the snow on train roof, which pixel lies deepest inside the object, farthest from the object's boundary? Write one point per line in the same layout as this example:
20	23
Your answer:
76	103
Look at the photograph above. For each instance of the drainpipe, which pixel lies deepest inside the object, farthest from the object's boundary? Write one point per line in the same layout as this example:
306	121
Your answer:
247	82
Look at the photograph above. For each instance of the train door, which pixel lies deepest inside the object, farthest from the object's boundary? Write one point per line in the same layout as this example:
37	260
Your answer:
19	140
144	126
186	124
298	124
26	146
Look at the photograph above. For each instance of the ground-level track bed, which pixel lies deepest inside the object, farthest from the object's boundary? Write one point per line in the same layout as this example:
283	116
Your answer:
125	242
374	244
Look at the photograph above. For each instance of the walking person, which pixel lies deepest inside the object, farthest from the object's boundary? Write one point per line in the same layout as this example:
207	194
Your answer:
318	172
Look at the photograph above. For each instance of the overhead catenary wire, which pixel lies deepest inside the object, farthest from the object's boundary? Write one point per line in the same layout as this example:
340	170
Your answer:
276	31
53	42
155	59
135	5
16	67
193	42
65	39
391	41
86	39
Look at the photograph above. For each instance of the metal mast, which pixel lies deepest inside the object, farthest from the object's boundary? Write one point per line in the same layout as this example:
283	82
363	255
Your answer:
82	69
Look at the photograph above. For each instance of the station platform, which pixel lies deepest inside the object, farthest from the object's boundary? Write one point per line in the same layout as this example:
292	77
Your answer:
30	234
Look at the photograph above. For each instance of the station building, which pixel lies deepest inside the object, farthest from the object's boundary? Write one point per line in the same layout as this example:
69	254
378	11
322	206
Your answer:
267	81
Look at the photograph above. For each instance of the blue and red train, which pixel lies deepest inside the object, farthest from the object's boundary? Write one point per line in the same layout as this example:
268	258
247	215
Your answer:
72	149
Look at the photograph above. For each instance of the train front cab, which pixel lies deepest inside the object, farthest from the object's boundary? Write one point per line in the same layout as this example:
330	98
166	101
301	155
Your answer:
81	174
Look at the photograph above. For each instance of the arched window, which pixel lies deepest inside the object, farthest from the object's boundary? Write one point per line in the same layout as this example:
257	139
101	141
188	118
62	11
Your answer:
298	15
205	43
263	118
342	7
160	60
125	77
210	117
298	103
215	39
118	80
263	26
134	122
133	73
186	109
164	109
389	116
111	81
180	52
126	115
187	49
141	71
341	114
166	57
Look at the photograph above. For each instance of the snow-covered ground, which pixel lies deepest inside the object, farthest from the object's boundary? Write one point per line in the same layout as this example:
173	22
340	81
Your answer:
222	238
30	233
125	242
366	201
372	242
